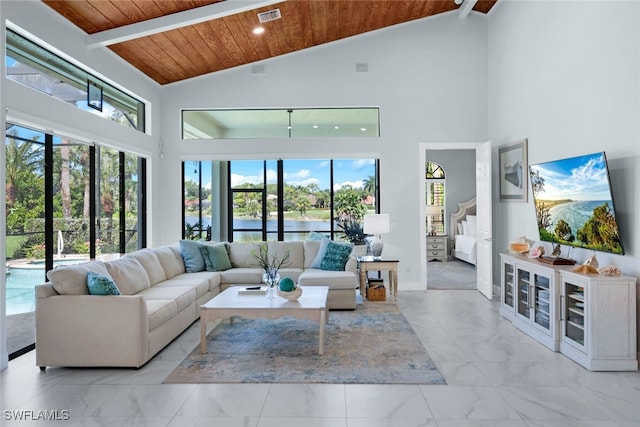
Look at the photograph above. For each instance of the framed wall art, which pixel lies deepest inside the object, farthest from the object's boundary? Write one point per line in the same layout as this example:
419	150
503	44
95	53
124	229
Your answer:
514	172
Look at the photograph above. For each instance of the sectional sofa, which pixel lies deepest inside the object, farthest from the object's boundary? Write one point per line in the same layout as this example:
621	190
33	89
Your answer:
160	293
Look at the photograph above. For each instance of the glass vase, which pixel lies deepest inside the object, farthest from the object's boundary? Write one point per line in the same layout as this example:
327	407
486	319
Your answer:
271	277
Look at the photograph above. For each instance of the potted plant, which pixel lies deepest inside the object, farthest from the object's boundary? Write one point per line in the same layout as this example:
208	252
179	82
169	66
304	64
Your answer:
351	211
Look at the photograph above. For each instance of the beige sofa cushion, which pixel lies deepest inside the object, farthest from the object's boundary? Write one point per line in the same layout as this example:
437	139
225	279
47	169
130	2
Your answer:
129	275
296	252
241	276
240	255
159	311
151	263
333	279
311	248
183	296
293	273
202	282
171	261
72	279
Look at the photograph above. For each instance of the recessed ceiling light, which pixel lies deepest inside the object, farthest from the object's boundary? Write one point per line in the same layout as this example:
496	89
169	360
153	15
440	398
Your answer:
315	126
363	129
336	127
258	30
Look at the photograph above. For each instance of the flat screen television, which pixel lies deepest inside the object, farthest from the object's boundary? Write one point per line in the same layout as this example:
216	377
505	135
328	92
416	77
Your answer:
574	204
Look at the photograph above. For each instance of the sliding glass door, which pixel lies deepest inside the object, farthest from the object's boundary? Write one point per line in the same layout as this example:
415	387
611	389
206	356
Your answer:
66	202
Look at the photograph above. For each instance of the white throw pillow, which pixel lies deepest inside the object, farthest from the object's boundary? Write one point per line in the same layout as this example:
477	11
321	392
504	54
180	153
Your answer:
465	228
460	228
473	224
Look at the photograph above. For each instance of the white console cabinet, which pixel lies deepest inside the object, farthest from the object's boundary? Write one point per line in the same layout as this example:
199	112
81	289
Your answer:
598	320
588	318
529	296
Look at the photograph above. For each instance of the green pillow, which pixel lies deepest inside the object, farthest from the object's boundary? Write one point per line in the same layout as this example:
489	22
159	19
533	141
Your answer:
193	261
99	284
216	257
336	256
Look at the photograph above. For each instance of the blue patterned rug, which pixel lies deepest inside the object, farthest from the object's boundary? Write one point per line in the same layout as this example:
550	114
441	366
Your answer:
373	344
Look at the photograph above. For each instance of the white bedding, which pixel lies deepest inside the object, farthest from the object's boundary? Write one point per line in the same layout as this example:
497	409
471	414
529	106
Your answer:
465	248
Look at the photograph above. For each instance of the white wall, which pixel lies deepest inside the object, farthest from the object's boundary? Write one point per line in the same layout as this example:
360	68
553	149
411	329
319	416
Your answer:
566	76
571	87
428	77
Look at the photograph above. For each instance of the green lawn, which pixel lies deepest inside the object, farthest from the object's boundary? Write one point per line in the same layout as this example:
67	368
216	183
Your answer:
13	244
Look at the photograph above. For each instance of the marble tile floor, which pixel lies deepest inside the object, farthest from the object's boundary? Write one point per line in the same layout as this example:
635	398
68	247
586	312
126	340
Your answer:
497	377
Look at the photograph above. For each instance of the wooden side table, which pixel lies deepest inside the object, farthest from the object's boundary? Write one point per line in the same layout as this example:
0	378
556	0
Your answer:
370	264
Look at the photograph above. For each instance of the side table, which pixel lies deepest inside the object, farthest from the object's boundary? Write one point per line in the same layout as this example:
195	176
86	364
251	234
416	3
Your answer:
437	248
370	264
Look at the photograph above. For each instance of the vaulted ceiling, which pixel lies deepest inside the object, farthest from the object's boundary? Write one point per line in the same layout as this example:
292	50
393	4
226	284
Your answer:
173	40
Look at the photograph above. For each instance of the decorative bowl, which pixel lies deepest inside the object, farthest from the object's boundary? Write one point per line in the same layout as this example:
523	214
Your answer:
294	295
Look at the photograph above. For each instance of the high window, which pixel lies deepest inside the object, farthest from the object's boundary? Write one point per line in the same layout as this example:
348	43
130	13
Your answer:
66	202
281	123
38	68
278	199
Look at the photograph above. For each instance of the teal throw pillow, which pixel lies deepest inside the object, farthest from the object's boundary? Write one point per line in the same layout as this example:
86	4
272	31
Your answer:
336	256
216	257
99	284
314	235
193	261
321	251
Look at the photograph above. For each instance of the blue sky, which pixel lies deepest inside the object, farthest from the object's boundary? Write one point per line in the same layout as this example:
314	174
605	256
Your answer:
576	178
297	172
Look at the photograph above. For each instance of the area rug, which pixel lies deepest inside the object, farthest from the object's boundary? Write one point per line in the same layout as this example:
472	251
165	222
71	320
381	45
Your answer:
373	344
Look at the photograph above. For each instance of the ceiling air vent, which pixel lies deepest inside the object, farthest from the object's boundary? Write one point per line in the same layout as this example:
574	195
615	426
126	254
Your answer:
270	15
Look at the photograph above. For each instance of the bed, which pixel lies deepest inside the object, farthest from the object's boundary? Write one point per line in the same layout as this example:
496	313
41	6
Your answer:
463	229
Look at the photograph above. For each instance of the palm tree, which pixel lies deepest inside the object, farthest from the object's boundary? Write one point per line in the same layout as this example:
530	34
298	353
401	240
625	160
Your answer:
369	185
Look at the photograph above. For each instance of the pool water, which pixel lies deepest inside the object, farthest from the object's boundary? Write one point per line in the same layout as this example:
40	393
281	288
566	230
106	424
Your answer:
21	282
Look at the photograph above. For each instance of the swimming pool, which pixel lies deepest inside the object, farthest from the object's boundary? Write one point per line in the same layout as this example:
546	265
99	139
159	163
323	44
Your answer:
21	280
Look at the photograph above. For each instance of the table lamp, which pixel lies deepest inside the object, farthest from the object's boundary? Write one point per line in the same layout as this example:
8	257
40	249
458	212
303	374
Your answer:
376	225
433	211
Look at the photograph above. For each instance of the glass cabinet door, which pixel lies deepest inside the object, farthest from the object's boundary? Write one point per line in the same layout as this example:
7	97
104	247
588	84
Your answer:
507	298
523	284
574	314
542	300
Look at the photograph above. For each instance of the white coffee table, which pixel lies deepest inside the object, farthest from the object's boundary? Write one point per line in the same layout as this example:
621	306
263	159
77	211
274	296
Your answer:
311	305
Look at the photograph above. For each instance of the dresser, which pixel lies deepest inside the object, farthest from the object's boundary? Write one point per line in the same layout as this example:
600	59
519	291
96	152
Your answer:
437	248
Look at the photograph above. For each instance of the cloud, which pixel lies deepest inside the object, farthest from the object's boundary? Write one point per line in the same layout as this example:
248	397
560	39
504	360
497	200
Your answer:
354	184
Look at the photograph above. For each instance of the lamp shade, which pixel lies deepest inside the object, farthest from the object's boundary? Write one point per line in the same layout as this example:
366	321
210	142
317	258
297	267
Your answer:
434	210
377	224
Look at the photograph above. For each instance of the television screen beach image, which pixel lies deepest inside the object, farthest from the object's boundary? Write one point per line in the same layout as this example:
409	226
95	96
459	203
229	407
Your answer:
573	203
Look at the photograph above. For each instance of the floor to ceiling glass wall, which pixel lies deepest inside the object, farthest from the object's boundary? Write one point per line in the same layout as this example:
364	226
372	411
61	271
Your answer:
281	199
61	209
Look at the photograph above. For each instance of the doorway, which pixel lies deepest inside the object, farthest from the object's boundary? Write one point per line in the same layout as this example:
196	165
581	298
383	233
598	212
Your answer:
478	176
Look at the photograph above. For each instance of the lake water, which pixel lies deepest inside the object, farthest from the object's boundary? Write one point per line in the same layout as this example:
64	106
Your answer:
295	229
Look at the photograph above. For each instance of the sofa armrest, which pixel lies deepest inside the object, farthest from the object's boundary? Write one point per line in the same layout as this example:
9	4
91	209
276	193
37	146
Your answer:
352	264
88	330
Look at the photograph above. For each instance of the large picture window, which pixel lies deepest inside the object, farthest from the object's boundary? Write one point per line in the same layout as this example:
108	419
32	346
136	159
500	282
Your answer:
277	199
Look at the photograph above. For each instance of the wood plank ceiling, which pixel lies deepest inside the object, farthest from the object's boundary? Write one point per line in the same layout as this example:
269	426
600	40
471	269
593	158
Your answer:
193	47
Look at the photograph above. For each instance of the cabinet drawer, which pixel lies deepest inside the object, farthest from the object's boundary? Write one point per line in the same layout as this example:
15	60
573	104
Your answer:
433	253
435	245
